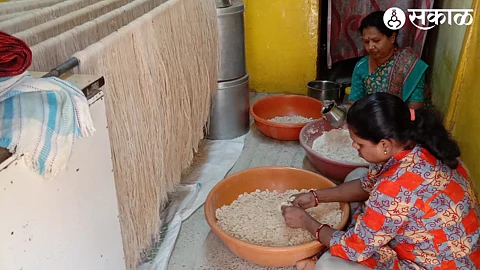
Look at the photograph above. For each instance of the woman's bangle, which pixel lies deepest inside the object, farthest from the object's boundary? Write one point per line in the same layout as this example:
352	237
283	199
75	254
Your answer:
315	196
318	231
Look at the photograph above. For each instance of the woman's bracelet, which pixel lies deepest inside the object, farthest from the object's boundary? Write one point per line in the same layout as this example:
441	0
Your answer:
318	231
315	196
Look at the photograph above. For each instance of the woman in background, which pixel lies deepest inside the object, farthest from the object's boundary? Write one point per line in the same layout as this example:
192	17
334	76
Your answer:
387	68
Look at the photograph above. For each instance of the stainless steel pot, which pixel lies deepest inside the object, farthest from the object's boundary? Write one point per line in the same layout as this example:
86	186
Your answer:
231	31
229	114
325	90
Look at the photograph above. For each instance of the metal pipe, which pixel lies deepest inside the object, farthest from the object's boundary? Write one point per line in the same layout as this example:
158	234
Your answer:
63	68
90	90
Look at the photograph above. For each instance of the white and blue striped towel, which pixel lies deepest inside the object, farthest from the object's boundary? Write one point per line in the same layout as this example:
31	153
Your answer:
40	120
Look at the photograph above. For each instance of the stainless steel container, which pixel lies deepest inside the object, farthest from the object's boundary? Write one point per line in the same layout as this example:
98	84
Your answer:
232	64
334	114
325	90
229	115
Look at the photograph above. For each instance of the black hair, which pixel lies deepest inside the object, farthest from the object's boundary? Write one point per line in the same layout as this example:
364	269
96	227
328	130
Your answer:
375	19
385	116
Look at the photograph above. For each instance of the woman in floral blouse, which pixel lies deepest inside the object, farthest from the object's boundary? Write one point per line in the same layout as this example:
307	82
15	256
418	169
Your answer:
387	68
419	211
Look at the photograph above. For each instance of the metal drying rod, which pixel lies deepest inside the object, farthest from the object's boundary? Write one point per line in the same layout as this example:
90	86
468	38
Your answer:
90	90
63	68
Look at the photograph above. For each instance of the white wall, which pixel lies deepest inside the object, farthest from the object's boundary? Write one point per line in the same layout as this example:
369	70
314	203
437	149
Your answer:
68	223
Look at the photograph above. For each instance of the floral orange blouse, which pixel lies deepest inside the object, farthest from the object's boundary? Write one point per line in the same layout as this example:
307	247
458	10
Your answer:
420	215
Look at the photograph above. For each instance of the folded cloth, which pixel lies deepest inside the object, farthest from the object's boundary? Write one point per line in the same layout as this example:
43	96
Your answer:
15	56
40	120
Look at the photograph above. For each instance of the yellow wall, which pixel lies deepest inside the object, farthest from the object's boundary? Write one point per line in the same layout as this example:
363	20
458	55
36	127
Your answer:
463	116
281	44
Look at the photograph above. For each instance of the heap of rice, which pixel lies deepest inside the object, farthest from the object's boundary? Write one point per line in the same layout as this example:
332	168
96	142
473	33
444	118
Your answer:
336	144
295	119
257	218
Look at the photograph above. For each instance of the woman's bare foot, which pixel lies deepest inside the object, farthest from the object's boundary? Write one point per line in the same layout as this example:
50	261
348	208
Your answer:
307	264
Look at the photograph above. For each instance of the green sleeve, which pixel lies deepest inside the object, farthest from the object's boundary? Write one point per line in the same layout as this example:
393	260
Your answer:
418	94
358	90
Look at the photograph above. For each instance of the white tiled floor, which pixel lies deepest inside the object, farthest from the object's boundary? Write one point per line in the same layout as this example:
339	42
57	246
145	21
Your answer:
199	248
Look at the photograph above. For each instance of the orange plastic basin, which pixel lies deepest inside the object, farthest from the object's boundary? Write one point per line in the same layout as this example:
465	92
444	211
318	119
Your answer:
262	178
284	105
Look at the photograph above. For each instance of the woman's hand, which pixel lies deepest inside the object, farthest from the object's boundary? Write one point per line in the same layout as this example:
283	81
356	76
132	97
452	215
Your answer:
304	200
298	218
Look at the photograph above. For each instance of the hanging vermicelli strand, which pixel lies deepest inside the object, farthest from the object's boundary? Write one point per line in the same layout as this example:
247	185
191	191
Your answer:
12	7
56	50
39	33
8	16
32	19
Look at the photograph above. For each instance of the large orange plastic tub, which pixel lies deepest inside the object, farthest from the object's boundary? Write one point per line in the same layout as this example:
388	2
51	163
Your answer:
284	105
330	168
262	178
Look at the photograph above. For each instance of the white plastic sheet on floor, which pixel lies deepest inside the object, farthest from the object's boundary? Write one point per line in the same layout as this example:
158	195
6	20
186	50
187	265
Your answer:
218	157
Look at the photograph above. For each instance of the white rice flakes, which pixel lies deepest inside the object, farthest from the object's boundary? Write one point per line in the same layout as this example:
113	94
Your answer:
336	144
295	119
257	218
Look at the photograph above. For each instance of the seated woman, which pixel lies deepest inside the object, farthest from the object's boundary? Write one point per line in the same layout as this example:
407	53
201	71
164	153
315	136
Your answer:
386	68
419	210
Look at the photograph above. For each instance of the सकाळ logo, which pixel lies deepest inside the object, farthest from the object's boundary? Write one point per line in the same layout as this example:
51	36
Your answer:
394	18
425	19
